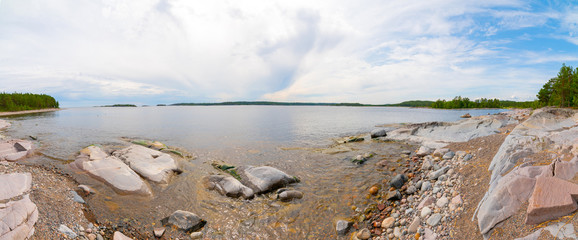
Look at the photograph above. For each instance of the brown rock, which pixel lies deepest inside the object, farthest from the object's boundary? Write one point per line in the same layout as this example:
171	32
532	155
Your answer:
373	190
551	199
381	206
388	222
364	234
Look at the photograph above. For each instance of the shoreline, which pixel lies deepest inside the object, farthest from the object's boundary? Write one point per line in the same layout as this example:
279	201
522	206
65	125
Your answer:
2	114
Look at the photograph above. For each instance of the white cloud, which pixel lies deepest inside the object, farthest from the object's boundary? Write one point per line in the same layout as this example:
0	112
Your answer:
367	51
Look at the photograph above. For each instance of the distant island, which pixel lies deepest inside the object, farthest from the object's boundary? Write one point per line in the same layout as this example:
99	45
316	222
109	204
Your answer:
14	102
120	105
267	103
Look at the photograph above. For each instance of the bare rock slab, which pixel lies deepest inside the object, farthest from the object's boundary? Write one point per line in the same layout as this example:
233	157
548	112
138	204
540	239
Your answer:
552	198
17	219
12	150
111	170
14	184
149	163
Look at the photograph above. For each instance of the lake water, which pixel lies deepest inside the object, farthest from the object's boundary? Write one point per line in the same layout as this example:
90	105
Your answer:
286	137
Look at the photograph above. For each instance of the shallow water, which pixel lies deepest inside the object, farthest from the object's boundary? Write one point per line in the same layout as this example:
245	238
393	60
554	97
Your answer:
279	136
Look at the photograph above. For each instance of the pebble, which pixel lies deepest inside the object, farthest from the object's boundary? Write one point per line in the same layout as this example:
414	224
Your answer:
77	198
159	231
442	202
196	235
426	186
364	234
414	225
434	219
373	190
408	211
411	189
397	232
67	231
388	222
91	236
425	212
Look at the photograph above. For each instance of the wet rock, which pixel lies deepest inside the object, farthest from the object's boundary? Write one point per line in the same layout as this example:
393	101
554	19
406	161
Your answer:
86	190
77	198
289	195
467	115
149	163
378	133
414	225
393	195
398	181
434	220
364	234
264	179
158	232
423	150
119	236
373	190
388	222
12	150
67	231
185	221
4	124
227	186
552	198
342	227
435	175
111	170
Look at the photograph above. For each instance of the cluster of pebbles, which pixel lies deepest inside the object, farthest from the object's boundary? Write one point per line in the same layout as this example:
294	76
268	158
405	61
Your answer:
418	204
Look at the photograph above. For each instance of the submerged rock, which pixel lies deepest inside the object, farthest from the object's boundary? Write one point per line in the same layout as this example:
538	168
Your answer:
264	179
4	124
288	195
342	227
110	170
185	221
227	186
149	163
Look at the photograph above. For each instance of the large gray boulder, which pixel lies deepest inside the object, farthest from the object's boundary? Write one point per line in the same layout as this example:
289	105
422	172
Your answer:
17	217
111	170
149	163
15	149
227	186
264	179
375	133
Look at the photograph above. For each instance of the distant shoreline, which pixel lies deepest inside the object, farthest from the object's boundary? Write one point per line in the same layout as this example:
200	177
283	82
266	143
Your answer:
29	111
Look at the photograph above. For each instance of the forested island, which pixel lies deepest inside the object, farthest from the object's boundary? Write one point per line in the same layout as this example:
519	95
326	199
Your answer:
12	102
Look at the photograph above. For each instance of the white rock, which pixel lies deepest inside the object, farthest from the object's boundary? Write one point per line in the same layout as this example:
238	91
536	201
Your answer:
425	211
149	163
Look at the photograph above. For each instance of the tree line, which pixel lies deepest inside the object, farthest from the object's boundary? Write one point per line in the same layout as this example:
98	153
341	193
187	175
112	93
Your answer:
10	102
562	90
464	102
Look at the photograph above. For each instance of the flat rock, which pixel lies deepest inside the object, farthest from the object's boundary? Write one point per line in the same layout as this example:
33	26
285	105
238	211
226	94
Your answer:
14	184
426	202
149	163
413	227
111	170
264	179
185	221
434	219
442	202
17	218
12	150
227	186
552	198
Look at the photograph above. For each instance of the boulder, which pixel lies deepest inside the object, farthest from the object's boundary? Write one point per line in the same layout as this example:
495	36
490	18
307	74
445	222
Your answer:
12	150
378	133
264	179
149	163
111	170
185	221
227	186
288	195
17	217
552	198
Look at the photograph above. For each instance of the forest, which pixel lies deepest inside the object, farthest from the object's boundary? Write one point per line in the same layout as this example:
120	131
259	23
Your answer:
11	102
562	90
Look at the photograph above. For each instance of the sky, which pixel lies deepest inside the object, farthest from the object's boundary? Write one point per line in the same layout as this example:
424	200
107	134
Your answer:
96	52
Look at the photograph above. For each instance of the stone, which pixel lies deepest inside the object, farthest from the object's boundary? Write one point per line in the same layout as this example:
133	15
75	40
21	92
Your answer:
364	234
373	190
398	181
552	198
14	184
427	164
429	234
196	235
425	211
91	236
264	179
449	155
426	186
434	219
388	222
119	236
185	221
443	178
423	150
15	149
159	231
378	133
342	227
18	213
149	163
411	190
466	158
442	202
67	231
436	174
393	195
436	189
397	232
99	237
413	227
289	195
227	186
440	152
111	170
85	189
77	198
457	200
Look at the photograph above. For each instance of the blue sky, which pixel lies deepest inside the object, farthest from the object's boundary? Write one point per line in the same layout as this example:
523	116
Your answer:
95	52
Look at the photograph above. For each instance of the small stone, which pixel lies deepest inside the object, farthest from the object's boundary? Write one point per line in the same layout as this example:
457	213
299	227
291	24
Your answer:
426	186
67	231
159	231
91	236
196	235
466	158
388	222
425	212
99	237
393	195
443	178
77	198
342	227
381	206
398	181
414	225
373	190
364	234
449	155
408	211
119	236
434	219
397	232
442	202
436	189
457	200
411	190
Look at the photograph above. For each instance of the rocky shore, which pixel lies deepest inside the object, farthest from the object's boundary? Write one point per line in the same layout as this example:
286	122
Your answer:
505	176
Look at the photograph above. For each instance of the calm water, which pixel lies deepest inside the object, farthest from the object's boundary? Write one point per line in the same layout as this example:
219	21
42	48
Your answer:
239	135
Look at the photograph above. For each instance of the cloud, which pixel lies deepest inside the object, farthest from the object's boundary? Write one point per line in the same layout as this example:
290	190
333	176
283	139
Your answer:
330	51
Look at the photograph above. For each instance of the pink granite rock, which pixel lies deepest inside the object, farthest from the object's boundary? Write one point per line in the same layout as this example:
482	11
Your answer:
119	236
12	150
551	199
17	218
